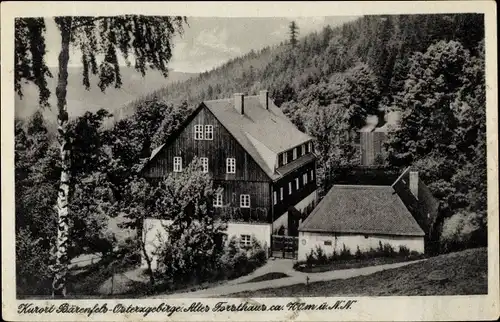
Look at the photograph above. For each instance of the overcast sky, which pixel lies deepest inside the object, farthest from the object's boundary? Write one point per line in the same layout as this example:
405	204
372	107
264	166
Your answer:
209	42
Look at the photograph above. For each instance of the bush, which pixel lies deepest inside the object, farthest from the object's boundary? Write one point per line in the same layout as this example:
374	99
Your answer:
310	260
345	253
236	262
463	230
334	256
321	257
358	254
388	251
404	251
33	274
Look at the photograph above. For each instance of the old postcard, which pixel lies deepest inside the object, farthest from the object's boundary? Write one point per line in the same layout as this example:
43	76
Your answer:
253	161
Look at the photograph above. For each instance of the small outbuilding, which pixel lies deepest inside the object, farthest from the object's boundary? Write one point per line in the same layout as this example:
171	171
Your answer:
355	216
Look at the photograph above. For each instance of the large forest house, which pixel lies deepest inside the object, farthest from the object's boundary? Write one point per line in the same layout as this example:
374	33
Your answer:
265	165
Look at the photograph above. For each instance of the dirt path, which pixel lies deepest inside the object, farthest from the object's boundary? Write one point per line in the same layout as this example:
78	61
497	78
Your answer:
283	266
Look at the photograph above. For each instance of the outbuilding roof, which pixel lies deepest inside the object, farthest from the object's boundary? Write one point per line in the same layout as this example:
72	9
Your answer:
360	209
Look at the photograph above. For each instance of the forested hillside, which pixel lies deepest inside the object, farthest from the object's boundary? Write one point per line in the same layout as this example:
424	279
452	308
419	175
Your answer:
385	43
428	67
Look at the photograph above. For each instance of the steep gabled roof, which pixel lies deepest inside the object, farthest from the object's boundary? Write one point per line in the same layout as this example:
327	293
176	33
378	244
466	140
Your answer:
362	210
269	127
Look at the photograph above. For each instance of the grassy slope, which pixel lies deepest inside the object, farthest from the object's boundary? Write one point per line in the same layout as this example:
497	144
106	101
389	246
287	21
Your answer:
467	269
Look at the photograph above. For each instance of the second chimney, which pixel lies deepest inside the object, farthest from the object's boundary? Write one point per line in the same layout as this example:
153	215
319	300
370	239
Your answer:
414	183
264	98
239	102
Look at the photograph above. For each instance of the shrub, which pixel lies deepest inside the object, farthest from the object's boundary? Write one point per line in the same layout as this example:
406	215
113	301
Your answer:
372	253
358	253
33	274
310	258
463	230
334	256
388	250
404	251
321	257
345	253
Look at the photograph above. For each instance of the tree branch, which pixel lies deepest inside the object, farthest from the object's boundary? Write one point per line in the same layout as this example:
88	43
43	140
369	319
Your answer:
86	23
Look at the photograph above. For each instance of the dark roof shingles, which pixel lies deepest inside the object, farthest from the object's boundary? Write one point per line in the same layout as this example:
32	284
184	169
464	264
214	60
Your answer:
363	210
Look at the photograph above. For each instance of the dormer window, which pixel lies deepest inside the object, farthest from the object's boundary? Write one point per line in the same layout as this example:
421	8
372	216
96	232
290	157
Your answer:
285	158
294	153
303	147
310	147
198	132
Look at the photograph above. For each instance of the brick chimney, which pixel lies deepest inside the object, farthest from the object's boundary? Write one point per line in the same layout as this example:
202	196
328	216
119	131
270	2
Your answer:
414	183
239	102
264	98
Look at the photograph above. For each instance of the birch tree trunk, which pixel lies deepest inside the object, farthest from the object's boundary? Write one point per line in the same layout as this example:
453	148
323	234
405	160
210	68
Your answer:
61	265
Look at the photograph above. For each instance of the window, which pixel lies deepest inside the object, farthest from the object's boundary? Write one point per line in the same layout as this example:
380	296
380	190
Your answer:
204	164
230	165
177	164
209	132
310	147
281	193
294	153
289	188
245	241
312	175
245	201
328	243
304	178
303	149
198	132
275	197
218	200
285	158
297	183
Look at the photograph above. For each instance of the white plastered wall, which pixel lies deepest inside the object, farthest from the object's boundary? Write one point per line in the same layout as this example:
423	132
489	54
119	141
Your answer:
154	234
310	240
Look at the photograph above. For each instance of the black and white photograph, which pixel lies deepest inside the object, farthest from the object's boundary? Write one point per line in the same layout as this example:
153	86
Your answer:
176	156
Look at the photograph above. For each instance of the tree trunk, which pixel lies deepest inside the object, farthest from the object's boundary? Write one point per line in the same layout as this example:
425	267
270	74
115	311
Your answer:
62	260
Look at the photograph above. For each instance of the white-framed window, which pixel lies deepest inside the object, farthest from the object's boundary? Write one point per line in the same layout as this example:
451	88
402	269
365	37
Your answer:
285	158
204	164
245	201
198	132
304	178
294	153
289	188
303	149
275	197
230	165
281	193
245	240
177	164
218	200
310	146
209	132
297	183
312	175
